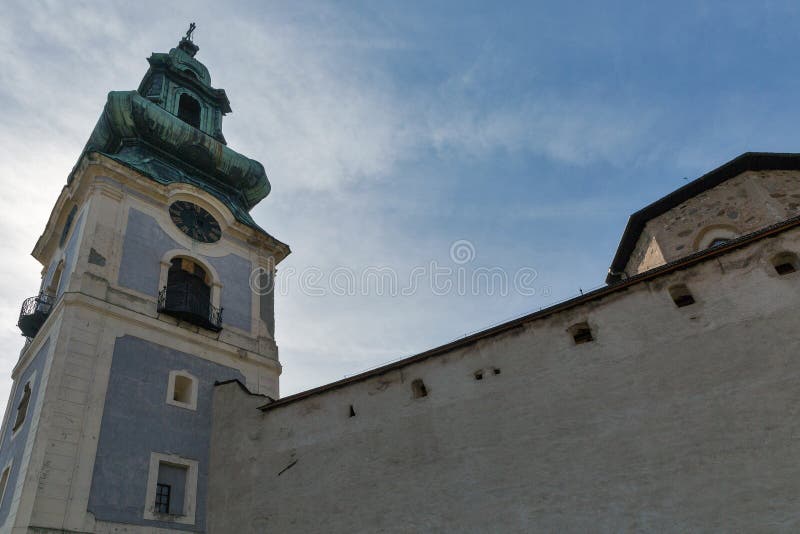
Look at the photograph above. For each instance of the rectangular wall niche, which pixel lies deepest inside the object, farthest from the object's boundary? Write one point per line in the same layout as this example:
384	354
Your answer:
581	333
182	390
681	295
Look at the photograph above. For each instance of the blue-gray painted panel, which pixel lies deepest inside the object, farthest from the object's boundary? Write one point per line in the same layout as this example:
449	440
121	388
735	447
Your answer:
137	421
145	245
237	297
70	252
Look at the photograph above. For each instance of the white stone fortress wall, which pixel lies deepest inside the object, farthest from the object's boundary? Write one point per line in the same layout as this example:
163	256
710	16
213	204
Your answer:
678	419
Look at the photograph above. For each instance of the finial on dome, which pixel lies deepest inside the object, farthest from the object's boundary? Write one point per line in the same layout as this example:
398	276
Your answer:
186	43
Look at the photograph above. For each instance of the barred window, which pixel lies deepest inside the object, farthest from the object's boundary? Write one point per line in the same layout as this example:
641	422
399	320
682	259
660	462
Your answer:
162	498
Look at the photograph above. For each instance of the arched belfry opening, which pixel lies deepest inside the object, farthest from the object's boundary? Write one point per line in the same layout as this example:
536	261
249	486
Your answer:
187	294
189	110
187	280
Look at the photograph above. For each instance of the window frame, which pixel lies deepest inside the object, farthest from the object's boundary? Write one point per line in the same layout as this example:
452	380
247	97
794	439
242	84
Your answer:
189	493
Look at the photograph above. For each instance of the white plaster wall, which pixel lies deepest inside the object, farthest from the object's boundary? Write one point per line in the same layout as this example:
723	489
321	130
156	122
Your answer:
673	419
84	326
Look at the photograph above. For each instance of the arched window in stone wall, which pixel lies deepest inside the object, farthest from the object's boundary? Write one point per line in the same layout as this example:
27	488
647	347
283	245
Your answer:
715	235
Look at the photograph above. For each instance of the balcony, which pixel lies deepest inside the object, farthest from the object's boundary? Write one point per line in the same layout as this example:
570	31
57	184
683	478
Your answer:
190	304
34	313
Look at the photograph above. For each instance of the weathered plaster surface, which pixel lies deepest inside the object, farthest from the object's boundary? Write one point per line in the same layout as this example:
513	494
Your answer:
743	204
237	296
70	253
137	421
145	244
266	303
671	420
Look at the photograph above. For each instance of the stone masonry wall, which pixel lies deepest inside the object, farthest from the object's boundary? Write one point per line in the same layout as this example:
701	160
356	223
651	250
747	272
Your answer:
741	205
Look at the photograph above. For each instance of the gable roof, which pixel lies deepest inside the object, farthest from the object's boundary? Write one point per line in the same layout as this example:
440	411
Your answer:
749	161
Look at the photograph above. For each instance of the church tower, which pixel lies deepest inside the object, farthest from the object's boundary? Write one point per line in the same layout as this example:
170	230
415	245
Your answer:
155	285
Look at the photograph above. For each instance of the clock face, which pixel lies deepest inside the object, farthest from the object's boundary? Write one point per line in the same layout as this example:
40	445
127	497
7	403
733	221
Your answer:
195	222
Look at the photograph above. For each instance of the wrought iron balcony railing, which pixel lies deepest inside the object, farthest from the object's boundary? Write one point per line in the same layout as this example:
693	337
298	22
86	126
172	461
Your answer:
182	301
34	313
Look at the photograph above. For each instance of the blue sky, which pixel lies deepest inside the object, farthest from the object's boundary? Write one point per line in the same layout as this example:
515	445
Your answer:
392	130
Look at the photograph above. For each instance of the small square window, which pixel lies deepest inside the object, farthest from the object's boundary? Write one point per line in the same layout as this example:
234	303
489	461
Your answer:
786	263
182	390
681	295
584	335
581	333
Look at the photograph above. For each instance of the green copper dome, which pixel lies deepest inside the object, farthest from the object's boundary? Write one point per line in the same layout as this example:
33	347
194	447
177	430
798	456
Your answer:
170	130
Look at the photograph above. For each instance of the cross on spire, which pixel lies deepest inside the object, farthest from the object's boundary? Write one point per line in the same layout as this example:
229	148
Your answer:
186	44
190	31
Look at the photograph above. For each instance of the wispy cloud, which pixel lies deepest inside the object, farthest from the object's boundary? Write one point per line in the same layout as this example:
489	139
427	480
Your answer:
314	100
